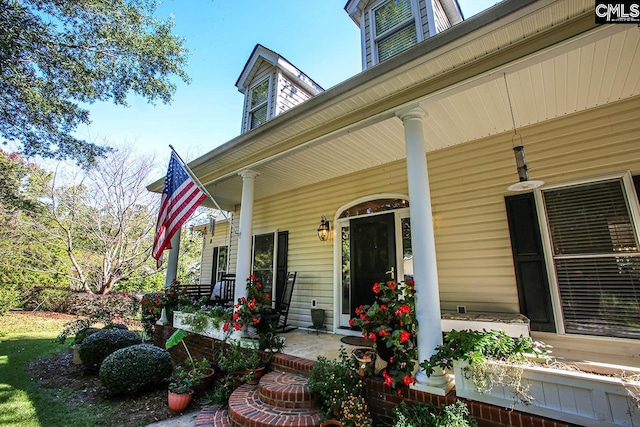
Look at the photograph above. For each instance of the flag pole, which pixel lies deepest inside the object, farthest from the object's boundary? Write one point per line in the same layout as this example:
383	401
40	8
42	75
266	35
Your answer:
202	187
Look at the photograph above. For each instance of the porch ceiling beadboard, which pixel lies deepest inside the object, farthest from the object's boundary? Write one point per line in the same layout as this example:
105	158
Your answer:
578	78
443	62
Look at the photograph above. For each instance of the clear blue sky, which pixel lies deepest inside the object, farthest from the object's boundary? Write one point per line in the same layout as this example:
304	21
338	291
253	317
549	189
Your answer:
317	37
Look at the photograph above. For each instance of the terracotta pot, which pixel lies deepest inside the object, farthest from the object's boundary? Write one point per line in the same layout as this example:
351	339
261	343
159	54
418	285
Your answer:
330	423
257	374
179	402
76	355
205	383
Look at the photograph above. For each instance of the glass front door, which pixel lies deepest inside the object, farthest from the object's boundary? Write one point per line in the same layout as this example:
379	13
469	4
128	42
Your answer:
373	248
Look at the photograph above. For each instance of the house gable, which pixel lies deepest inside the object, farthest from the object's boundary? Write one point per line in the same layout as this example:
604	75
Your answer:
428	17
286	86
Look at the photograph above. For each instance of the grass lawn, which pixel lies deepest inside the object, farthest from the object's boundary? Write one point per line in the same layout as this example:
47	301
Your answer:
23	403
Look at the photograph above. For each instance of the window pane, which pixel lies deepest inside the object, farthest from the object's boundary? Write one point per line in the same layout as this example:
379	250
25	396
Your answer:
391	14
263	260
346	271
397	42
595	253
373	206
590	219
259	94
601	296
407	251
259	116
222	261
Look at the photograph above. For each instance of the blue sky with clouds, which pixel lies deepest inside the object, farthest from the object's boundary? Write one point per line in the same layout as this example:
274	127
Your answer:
318	37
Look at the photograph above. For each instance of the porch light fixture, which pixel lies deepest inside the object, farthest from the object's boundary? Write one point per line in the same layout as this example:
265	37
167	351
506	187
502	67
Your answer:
523	183
323	229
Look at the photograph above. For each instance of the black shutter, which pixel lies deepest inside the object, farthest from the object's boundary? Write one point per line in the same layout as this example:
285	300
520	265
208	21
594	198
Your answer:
530	267
281	264
636	183
214	266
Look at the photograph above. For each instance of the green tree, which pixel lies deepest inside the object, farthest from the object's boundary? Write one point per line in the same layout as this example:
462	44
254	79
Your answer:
21	250
56	54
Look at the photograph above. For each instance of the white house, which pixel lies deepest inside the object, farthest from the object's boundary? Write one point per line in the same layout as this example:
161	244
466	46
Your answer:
410	160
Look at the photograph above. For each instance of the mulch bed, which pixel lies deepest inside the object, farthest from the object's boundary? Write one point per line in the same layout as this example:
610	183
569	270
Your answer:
59	372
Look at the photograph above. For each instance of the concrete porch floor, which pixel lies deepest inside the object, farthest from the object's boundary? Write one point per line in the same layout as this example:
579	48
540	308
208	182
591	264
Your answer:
308	345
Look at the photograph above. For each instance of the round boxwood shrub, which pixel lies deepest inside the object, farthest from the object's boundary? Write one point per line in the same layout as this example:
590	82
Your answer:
116	326
82	334
96	347
136	368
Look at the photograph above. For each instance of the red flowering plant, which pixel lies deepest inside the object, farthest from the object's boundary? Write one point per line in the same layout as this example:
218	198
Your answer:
152	303
252	310
391	323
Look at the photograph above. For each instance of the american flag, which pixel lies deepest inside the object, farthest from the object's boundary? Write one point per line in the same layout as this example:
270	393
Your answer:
180	197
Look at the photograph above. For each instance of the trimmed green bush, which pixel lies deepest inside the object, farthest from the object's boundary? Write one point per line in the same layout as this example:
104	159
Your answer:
116	326
96	347
135	369
82	334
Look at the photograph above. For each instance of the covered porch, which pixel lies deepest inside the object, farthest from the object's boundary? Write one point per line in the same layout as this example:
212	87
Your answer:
435	126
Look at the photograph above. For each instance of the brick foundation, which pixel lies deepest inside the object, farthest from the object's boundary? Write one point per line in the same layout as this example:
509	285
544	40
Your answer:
381	399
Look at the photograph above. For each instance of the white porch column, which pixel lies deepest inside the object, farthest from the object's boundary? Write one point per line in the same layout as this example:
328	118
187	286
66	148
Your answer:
172	262
424	251
243	263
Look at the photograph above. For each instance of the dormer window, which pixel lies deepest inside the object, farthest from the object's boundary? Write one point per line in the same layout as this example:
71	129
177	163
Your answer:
394	25
259	104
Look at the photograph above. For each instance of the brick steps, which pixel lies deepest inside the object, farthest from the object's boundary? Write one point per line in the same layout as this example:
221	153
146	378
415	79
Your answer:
281	399
285	391
213	416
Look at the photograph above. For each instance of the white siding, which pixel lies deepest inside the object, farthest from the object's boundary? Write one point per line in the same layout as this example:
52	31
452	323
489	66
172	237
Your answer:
299	213
221	237
289	94
468	184
442	21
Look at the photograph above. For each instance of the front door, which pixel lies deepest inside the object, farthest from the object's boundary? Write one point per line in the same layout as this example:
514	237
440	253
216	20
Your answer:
373	256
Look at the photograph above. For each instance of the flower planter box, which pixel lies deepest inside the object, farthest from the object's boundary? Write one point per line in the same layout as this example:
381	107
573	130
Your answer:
576	397
180	321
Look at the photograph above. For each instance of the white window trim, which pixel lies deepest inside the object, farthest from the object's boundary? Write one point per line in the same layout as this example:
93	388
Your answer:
337	225
226	267
417	21
546	238
267	102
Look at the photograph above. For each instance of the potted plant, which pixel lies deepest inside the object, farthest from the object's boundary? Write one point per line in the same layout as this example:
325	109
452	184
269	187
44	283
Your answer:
477	348
332	381
201	372
491	367
456	414
244	364
390	322
180	392
365	360
253	310
203	319
354	412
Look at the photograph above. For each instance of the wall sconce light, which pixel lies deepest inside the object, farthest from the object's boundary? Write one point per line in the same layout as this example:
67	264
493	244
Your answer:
323	229
523	183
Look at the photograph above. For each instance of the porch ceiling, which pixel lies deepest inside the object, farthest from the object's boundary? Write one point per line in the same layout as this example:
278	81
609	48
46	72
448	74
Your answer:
590	70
